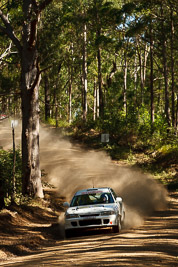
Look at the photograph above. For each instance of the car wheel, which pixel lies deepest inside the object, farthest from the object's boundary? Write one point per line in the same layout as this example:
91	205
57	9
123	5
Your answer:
123	219
68	233
117	228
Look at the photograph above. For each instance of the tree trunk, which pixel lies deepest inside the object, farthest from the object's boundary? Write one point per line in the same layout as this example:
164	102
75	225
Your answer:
151	76
146	54
135	81
54	103
30	80
141	70
70	98
95	101
30	124
172	70
167	108
125	83
165	70
177	114
85	73
56	113
101	103
2	195
47	98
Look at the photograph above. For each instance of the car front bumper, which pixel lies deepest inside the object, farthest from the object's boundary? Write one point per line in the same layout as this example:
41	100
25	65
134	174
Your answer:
91	221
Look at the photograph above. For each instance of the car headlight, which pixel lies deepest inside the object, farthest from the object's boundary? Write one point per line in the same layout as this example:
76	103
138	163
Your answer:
70	216
110	212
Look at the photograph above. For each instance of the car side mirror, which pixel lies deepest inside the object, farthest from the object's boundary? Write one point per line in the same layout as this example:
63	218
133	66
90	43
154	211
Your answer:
66	205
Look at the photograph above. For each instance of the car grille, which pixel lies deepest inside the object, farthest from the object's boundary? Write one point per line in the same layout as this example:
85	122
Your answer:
88	215
90	222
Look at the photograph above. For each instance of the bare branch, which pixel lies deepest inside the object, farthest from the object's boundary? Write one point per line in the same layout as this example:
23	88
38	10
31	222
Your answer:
47	68
4	5
9	31
6	52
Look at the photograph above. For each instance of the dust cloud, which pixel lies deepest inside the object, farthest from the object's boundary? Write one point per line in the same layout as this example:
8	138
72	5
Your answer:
69	167
6	141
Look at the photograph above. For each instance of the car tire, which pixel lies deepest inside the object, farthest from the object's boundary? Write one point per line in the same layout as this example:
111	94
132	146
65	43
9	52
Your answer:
68	233
117	228
123	219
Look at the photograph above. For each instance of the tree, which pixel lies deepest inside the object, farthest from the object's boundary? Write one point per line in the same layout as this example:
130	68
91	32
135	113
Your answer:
85	73
26	45
172	64
151	76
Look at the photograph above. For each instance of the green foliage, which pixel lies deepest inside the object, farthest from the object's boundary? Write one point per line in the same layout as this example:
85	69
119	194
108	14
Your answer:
154	134
51	121
118	152
6	173
60	123
169	148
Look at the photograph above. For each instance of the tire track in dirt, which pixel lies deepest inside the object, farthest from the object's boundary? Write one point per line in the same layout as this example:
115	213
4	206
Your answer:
155	243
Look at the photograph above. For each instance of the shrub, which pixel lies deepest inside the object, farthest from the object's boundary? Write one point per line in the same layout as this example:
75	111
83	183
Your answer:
6	173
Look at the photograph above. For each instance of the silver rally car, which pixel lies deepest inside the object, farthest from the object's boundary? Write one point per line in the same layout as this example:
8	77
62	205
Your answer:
94	208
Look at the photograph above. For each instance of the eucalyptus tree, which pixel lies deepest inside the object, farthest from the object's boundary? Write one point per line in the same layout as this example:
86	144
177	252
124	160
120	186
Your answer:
51	55
73	47
104	17
25	40
163	39
63	25
173	13
166	17
154	28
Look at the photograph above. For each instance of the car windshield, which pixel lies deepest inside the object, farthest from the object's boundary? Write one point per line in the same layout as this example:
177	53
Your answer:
87	198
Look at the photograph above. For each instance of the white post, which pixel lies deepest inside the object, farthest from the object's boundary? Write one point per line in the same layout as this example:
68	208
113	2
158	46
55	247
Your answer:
14	123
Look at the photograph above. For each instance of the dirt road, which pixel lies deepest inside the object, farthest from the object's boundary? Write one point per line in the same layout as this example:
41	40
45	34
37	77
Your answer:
155	243
150	237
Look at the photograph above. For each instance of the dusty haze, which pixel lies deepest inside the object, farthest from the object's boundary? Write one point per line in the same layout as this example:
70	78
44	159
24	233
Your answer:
70	168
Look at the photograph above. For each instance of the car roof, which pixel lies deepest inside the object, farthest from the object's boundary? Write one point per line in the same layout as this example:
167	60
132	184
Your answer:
93	190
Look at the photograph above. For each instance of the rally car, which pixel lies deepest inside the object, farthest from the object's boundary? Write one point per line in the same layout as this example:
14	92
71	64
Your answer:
94	208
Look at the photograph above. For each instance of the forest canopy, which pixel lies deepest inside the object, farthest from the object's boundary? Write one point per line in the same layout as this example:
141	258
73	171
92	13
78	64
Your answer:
104	65
106	61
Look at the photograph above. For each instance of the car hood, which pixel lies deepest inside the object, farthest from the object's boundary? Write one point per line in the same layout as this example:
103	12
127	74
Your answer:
91	209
